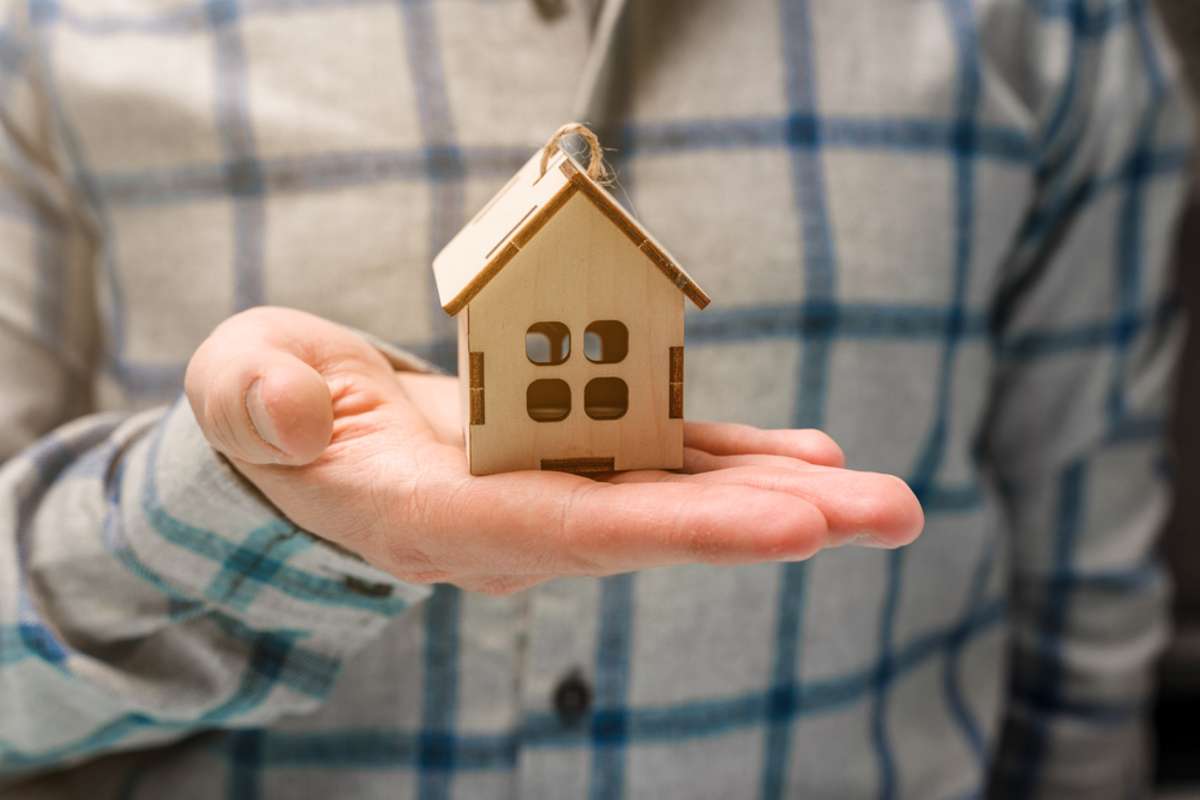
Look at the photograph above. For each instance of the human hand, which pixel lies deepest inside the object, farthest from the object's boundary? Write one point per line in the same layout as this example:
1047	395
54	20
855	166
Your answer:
373	461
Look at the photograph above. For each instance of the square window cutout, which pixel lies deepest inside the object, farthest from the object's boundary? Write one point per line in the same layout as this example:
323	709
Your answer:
606	341
547	343
606	398
548	400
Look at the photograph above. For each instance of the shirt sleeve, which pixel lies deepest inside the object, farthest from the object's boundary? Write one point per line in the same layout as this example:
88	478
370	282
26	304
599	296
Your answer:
1087	335
146	590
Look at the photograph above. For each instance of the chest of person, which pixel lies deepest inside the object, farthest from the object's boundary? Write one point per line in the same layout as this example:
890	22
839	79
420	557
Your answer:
318	155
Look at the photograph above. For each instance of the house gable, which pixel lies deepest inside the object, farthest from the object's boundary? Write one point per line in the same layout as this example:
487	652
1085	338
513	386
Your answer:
515	215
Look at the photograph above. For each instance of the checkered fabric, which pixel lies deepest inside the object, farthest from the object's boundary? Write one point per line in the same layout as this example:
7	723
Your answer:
935	229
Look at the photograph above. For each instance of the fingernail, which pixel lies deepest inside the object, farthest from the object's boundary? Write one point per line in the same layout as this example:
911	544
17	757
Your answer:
263	424
867	540
862	540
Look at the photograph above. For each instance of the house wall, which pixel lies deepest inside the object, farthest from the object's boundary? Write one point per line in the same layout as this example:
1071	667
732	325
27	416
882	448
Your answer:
578	269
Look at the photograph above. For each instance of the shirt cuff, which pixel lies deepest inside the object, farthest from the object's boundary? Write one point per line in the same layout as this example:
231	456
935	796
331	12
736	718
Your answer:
211	536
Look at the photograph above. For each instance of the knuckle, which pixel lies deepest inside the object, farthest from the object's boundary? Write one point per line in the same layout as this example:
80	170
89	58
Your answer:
252	317
219	426
245	328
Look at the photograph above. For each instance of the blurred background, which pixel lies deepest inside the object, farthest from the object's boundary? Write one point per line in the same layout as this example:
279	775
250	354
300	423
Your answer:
1179	701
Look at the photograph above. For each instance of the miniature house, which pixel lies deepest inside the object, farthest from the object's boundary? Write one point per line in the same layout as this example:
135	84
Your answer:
570	329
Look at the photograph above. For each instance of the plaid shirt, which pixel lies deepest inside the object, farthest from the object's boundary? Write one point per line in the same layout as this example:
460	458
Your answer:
937	230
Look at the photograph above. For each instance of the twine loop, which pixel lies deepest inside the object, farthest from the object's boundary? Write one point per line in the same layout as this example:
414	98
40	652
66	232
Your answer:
597	169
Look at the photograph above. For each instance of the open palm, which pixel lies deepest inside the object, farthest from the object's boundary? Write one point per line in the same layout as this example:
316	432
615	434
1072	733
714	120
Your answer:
372	460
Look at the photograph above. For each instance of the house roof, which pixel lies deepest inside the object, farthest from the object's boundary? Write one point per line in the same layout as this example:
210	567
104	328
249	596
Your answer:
514	216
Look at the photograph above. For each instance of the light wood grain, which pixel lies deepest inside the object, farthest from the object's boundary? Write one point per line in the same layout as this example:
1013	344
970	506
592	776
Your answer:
555	246
578	269
485	245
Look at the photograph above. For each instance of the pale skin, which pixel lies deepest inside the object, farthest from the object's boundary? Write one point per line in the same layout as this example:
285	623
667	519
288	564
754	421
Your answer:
372	460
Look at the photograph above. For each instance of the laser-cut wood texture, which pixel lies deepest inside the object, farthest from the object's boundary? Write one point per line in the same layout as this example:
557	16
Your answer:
476	384
557	247
675	387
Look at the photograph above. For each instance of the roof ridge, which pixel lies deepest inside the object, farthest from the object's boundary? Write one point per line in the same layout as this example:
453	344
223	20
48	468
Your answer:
527	226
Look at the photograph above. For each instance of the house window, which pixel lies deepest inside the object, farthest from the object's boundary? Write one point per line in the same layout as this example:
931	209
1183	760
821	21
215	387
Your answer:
547	343
606	398
606	341
548	400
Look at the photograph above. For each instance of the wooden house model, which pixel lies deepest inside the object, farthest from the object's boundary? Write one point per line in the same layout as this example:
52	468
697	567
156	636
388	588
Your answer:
570	329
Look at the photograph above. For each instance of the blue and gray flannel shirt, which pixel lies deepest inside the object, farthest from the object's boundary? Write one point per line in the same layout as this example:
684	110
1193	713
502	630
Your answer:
936	229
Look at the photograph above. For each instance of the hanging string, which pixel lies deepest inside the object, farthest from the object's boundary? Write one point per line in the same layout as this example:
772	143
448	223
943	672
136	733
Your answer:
597	169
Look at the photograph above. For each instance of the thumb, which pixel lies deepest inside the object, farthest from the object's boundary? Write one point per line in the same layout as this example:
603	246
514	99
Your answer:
258	403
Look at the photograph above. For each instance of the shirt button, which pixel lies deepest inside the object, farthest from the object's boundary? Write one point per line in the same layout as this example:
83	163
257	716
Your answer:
572	698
